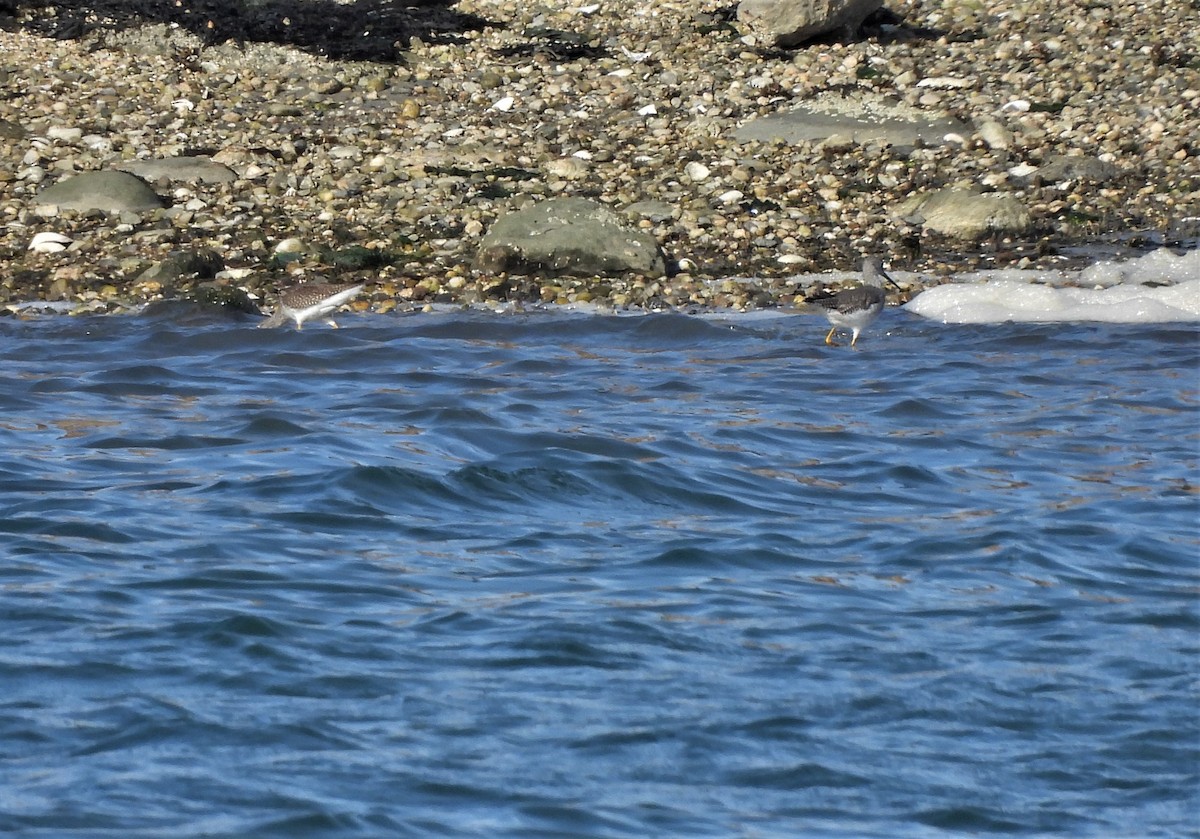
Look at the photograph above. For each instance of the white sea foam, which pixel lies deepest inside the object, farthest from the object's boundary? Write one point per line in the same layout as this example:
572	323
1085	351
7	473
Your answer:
1161	287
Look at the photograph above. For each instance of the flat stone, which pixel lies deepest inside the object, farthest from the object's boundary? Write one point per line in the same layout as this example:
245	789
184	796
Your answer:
108	191
196	169
858	119
568	236
966	215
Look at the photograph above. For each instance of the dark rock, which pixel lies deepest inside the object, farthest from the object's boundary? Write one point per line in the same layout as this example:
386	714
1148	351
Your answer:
1069	168
204	264
11	130
218	295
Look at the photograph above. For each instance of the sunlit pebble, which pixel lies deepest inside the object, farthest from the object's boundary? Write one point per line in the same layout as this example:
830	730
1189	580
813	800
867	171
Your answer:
635	56
1016	106
647	111
944	82
504	104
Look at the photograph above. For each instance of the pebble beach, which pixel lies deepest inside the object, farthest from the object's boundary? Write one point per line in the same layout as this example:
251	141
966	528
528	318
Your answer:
392	171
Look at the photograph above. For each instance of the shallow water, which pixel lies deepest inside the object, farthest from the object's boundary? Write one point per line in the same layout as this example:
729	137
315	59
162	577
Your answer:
561	575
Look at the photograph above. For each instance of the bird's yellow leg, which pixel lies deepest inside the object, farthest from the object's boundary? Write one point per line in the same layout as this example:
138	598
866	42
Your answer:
829	337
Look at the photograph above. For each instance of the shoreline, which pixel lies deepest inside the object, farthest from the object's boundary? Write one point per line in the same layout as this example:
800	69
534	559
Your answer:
392	173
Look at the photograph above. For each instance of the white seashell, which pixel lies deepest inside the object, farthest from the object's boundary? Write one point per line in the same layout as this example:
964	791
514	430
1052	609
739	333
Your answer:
1022	170
182	106
49	242
1016	106
636	56
583	154
623	73
944	82
790	259
697	171
505	104
955	138
647	111
731	197
589	9
686	264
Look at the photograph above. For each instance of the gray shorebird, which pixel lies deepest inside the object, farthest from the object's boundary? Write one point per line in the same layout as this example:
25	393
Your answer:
854	308
309	301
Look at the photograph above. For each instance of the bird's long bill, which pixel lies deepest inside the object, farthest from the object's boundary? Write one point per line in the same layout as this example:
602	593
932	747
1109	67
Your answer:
887	277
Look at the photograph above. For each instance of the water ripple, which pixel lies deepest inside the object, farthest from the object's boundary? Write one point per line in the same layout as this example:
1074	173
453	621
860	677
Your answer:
467	574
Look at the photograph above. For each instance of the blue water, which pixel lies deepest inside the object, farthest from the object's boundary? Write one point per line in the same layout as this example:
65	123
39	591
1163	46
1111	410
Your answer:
557	575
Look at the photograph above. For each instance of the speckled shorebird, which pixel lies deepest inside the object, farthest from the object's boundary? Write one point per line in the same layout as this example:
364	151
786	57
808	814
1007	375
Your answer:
855	308
312	300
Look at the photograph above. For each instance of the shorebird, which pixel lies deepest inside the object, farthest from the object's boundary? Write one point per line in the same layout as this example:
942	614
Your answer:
854	308
312	300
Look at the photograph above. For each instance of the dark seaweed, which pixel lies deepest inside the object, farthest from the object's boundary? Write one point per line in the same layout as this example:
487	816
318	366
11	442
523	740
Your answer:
365	30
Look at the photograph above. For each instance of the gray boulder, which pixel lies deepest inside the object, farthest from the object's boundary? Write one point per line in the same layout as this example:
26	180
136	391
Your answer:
571	236
966	215
110	191
186	169
788	23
